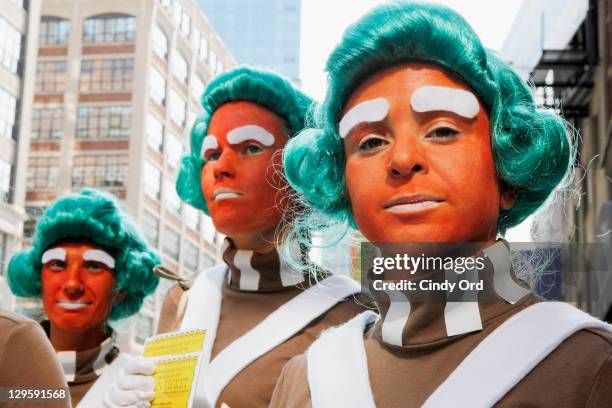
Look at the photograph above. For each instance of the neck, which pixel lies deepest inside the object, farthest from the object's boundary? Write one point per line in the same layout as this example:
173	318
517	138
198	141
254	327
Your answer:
262	241
67	340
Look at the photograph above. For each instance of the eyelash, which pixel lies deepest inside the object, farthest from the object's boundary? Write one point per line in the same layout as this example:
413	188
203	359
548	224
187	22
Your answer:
434	132
363	144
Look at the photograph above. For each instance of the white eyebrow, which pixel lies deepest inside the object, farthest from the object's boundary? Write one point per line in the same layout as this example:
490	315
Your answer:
209	143
372	110
442	98
54	254
250	132
99	255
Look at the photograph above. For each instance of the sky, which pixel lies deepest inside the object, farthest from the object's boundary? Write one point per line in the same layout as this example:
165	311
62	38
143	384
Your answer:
324	21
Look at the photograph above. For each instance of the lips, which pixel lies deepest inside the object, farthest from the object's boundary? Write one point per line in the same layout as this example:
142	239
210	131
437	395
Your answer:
73	305
410	204
221	194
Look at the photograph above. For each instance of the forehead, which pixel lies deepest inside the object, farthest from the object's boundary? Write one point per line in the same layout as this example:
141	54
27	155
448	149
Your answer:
400	81
235	114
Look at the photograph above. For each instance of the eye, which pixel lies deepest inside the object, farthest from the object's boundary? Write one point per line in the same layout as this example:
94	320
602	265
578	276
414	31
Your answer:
56	265
372	142
212	156
94	267
253	149
443	132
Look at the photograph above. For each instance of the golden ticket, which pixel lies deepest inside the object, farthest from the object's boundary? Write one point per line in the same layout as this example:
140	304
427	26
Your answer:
174	381
174	344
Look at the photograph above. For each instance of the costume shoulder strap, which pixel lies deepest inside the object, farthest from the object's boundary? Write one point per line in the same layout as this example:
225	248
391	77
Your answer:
279	326
509	353
338	367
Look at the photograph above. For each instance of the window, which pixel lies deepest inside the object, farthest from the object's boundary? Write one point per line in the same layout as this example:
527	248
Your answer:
190	256
152	180
47	123
109	28
100	171
171	198
8	111
42	172
53	31
5	180
192	217
155	133
203	51
150	227
191	118
220	67
157	86
10	45
50	76
3	241
209	229
180	70
177	108
33	214
177	12
186	24
195	40
172	243
103	122
106	75
160	42
197	86
174	150
207	261
212	61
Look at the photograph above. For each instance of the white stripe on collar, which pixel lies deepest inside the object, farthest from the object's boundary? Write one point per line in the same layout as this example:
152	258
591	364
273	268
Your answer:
503	283
67	360
463	315
249	277
396	318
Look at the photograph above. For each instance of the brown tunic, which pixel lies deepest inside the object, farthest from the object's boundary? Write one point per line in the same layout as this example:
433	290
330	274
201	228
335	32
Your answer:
27	360
240	312
577	374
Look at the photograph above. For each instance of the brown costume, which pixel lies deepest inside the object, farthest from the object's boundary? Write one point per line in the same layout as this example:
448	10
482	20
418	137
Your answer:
27	361
577	374
242	310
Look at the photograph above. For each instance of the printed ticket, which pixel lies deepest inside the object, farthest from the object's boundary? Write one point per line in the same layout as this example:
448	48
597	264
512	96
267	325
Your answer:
176	368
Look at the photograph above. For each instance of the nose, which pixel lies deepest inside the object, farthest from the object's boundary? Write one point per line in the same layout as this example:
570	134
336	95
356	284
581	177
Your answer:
224	166
406	158
73	287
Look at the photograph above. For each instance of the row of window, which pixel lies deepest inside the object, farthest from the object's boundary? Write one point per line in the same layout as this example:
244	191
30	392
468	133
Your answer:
97	75
8	111
112	121
106	28
6	170
10	46
88	170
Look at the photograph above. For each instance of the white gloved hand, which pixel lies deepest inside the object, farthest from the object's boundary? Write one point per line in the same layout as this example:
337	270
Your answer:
134	387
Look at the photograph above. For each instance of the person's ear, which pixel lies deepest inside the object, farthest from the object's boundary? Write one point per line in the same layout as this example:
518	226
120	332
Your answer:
507	196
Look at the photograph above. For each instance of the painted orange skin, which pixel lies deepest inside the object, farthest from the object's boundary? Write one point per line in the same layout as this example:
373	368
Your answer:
438	154
248	167
77	280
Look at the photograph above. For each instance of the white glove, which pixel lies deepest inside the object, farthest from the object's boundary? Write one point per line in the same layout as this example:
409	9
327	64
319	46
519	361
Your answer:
134	387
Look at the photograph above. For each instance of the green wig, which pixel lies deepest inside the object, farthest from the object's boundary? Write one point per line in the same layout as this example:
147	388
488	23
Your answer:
531	146
265	88
95	216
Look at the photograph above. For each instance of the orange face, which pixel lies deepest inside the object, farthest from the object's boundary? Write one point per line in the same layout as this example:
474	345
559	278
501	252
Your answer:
244	194
77	286
421	175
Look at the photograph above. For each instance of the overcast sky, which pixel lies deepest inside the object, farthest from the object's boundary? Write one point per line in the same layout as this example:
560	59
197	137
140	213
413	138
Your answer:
324	21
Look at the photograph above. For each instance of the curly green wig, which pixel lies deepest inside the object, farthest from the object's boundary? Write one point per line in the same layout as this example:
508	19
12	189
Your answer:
95	216
265	88
531	146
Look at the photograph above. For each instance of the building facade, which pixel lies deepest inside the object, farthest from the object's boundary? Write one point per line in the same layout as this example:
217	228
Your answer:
117	87
566	46
18	34
263	33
